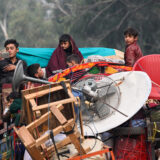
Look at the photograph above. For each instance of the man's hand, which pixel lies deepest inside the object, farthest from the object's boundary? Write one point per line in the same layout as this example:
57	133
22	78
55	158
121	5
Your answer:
9	67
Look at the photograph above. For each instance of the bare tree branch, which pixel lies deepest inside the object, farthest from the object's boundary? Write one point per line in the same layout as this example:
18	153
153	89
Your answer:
3	21
55	4
113	29
89	7
101	11
143	5
121	22
61	9
4	28
47	5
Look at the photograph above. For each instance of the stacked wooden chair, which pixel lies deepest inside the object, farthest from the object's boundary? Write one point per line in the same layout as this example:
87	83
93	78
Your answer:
49	110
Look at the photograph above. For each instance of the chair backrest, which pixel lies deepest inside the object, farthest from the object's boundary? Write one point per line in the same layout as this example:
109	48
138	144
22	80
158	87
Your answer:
151	65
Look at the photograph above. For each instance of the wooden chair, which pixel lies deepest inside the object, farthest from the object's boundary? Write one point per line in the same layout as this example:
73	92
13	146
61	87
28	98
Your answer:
49	108
36	145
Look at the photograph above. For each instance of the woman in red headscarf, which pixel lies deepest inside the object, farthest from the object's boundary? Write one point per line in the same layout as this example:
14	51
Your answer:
65	48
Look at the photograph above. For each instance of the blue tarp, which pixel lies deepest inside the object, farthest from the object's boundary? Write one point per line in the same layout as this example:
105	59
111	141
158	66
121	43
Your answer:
42	55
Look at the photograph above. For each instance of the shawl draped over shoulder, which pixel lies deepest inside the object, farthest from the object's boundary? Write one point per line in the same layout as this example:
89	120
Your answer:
58	58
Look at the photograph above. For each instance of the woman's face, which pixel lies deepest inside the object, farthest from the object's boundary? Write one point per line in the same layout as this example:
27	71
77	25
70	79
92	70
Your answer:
65	45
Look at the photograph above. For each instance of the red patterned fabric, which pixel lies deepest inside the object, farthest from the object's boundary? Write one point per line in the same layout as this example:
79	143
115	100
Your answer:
84	66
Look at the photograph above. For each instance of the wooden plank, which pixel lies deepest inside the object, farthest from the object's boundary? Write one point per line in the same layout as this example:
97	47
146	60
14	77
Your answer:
71	95
24	113
60	106
42	119
75	102
25	136
38	114
44	92
55	131
44	147
35	153
58	115
69	123
33	103
75	141
69	100
62	143
81	123
59	145
45	86
45	137
28	111
39	121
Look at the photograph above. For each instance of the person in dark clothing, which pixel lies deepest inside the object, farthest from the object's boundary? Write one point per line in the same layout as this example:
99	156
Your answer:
35	71
72	61
65	48
8	65
132	51
15	101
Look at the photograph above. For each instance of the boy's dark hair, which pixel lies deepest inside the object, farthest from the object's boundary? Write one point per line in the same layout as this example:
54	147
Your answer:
74	58
32	69
131	32
64	38
11	41
13	95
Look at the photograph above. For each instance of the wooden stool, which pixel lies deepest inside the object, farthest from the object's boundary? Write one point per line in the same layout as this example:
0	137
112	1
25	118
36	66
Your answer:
49	109
36	145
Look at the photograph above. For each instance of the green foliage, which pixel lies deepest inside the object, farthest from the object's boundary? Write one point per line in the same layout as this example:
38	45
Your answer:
92	23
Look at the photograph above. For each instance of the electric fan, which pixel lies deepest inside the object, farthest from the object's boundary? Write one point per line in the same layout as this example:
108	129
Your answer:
101	97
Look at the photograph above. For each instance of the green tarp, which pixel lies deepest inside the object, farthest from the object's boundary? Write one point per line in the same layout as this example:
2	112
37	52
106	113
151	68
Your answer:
42	55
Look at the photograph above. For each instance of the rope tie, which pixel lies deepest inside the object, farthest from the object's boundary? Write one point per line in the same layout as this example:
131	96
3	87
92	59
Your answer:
155	130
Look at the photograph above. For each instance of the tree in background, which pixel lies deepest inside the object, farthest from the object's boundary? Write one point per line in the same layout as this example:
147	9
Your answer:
92	23
4	12
27	22
102	23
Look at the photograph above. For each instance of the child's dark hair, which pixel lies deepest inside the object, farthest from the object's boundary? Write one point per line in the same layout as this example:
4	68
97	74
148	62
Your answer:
74	58
13	95
64	38
11	41
32	69
131	32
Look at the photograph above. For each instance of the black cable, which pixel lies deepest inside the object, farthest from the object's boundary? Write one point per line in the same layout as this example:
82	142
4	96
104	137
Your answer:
95	136
52	138
72	130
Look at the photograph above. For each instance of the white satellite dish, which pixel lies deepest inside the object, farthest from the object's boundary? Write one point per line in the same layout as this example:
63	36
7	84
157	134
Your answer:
131	92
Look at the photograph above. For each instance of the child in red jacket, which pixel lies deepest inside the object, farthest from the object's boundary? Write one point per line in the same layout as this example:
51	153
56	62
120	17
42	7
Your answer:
132	51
